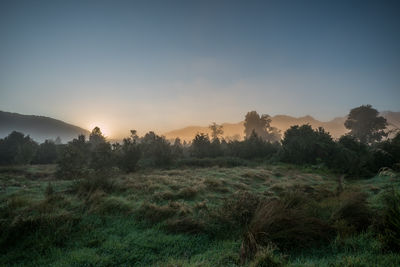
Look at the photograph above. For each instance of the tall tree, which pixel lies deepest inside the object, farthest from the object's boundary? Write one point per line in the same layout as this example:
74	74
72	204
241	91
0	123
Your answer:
17	148
216	130
261	125
96	137
365	124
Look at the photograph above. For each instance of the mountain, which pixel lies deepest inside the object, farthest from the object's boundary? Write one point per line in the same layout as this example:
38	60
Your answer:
235	130
393	118
38	127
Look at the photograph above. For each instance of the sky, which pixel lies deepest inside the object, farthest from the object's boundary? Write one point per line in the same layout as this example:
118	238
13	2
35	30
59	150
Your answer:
162	65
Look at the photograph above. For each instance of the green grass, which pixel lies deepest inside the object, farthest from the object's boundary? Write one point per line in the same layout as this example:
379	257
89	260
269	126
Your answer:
178	217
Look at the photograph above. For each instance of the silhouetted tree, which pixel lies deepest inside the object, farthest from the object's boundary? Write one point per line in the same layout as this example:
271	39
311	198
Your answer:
101	157
156	150
74	159
58	141
365	124
388	153
177	148
201	146
351	157
17	148
252	147
96	137
216	130
261	126
129	153
46	153
302	144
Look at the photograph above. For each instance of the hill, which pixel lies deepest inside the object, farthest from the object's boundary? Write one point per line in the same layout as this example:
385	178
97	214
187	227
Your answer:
39	128
235	130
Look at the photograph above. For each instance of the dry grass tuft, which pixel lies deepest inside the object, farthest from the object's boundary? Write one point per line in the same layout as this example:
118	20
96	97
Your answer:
354	210
184	225
288	223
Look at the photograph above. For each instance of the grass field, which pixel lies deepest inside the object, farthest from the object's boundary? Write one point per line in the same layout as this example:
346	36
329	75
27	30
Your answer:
192	217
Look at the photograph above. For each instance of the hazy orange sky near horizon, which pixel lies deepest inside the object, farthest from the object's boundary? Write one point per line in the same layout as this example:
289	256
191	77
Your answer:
162	65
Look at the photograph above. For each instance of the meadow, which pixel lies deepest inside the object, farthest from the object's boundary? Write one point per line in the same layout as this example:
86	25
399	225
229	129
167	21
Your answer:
263	215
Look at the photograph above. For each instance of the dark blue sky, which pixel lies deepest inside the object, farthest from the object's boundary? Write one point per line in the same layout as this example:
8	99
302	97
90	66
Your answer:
165	64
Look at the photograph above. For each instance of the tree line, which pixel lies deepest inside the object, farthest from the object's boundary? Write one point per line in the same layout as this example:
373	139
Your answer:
362	152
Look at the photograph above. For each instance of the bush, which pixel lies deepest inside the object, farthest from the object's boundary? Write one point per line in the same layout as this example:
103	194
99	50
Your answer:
46	153
74	159
156	150
128	155
201	146
390	231
17	148
252	147
352	158
302	144
101	157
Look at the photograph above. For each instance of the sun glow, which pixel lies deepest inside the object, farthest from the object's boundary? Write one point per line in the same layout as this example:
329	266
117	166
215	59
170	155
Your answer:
103	127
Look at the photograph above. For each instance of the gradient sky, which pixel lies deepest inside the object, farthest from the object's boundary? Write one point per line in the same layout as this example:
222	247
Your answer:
161	65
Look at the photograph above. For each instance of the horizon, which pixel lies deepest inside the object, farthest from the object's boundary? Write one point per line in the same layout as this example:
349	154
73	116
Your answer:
180	132
154	66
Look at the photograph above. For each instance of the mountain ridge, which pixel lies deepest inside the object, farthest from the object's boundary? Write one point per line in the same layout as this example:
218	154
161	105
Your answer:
234	130
39	128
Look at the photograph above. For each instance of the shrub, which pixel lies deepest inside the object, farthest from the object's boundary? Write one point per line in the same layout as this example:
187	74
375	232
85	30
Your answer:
128	155
16	148
390	232
201	146
74	159
352	158
302	144
101	157
156	150
46	153
253	147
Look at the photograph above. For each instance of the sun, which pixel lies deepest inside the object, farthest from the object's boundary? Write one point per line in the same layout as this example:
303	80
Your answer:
103	127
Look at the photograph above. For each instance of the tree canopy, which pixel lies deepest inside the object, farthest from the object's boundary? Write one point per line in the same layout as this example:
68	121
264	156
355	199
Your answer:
365	124
261	126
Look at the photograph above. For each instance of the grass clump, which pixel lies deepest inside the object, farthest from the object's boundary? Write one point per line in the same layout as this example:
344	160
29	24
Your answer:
185	225
109	205
288	223
353	212
95	181
154	213
268	257
235	212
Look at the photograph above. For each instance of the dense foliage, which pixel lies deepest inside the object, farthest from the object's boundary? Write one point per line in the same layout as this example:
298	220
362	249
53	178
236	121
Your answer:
360	153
